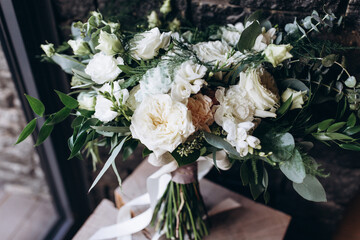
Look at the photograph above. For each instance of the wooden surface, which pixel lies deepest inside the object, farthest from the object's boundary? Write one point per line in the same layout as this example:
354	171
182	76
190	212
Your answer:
252	221
25	216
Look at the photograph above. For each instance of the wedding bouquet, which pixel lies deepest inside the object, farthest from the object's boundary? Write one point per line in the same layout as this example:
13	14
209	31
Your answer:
244	94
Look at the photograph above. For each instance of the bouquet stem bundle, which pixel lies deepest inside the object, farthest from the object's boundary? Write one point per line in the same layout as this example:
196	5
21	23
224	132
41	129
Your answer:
181	210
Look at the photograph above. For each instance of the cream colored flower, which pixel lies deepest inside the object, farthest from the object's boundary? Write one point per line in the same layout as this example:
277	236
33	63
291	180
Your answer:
213	52
109	44
146	45
48	49
255	81
202	115
298	97
161	123
264	39
103	68
87	100
276	54
79	47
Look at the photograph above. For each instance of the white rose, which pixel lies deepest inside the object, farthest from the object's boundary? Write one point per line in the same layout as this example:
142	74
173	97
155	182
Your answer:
235	105
275	54
161	124
264	39
48	49
298	97
79	47
86	101
104	107
253	82
109	44
103	68
188	80
213	52
146	45
155	81
231	34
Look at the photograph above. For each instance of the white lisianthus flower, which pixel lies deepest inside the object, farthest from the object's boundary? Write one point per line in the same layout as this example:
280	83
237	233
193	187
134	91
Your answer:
48	49
79	47
276	54
298	97
235	105
103	68
155	81
264	39
146	45
231	34
255	81
109	44
188	80
161	123
104	107
87	100
213	52
239	137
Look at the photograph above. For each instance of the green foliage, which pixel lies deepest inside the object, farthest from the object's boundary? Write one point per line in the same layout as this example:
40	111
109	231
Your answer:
68	101
28	129
45	132
220	143
248	37
36	105
310	189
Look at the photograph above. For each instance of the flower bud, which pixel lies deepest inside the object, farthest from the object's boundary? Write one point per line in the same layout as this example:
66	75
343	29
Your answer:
79	47
153	20
298	97
174	25
166	7
109	44
48	49
275	54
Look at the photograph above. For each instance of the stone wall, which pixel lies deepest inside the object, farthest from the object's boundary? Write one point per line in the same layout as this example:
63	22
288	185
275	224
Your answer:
19	164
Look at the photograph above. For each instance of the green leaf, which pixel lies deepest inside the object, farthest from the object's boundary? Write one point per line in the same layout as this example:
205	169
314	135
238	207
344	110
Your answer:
352	130
220	143
244	173
351	120
86	113
77	121
146	152
281	145
336	126
325	124
351	147
28	129
257	15
234	74
123	130
36	105
109	162
78	144
45	132
284	107
311	189
256	190
293	84
184	160
331	136
67	63
129	150
68	101
294	168
329	60
60	116
248	37
113	165
350	82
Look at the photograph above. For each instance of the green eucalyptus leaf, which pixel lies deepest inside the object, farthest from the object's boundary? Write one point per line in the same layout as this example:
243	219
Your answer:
281	145
248	37
36	105
123	130
350	82
329	60
294	168
108	162
28	129
220	143
67	63
311	189
68	101
294	84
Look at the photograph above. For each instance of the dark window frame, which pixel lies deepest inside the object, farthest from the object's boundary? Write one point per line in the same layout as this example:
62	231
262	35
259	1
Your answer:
24	25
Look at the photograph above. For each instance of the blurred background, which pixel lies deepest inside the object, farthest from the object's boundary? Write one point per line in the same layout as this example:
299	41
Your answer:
44	195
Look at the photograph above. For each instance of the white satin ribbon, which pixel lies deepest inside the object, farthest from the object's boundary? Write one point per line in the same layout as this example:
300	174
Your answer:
156	186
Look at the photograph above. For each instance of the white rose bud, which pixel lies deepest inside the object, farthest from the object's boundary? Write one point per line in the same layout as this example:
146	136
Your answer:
109	44
79	47
153	20
86	101
48	49
146	45
103	68
166	7
298	97
275	54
